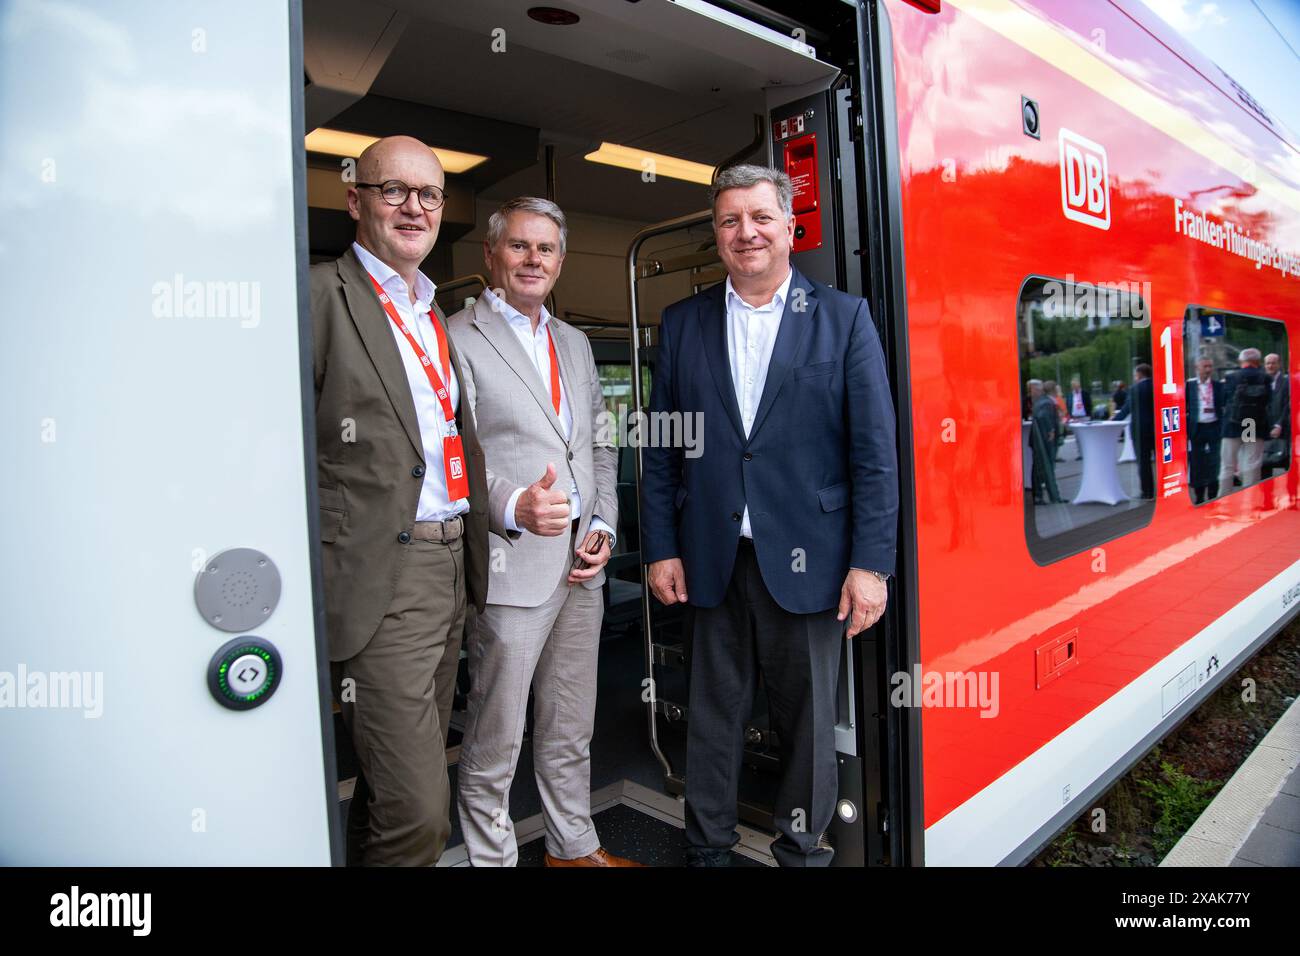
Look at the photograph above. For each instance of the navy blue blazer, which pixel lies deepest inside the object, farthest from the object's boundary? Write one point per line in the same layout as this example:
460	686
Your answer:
818	471
1279	407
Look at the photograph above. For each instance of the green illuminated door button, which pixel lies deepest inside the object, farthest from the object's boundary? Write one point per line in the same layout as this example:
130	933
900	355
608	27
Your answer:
244	673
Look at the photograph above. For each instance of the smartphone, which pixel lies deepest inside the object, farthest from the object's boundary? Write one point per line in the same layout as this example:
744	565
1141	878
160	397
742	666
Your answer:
595	541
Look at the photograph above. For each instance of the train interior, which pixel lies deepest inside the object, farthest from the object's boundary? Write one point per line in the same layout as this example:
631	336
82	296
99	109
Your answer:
529	101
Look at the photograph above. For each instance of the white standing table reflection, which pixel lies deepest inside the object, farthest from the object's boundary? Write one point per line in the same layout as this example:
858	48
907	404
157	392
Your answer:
1128	454
1100	481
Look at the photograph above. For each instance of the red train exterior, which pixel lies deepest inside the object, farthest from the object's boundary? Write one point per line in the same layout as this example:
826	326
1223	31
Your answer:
1164	612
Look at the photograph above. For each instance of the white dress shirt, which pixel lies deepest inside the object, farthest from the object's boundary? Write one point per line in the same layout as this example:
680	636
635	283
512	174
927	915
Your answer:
751	335
1208	412
434	504
536	345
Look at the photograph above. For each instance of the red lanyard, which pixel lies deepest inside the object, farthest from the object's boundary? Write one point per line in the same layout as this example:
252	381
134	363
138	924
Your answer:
453	451
444	396
555	373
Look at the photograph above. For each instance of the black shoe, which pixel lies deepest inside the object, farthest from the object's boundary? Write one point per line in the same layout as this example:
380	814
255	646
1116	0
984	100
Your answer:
706	856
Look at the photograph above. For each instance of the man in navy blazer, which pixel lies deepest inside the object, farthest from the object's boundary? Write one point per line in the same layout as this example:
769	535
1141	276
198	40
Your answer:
1204	427
784	525
1140	406
1246	425
1279	414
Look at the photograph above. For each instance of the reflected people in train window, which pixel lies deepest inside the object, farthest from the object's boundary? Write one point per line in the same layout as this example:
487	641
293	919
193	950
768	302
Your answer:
1079	402
1277	453
1083	447
1238	401
1118	396
1241	450
1138	410
1042	413
1204	428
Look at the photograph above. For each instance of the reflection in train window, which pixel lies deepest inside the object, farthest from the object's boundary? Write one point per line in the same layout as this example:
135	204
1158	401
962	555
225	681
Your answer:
1087	413
1238	401
616	386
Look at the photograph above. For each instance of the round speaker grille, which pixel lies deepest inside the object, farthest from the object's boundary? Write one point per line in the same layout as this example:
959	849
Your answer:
237	590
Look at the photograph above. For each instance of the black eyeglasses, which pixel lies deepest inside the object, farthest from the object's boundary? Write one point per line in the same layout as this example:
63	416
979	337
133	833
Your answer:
395	193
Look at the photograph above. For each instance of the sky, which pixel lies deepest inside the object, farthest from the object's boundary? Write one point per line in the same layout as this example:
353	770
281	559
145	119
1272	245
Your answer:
1257	42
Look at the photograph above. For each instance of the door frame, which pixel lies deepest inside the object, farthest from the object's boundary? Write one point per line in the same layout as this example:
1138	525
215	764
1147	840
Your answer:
884	285
307	379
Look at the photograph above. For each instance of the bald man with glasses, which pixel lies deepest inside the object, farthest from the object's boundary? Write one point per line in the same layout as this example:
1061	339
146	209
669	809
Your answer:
403	504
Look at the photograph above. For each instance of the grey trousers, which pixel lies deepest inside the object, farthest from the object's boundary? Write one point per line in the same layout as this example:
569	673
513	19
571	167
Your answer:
402	686
554	647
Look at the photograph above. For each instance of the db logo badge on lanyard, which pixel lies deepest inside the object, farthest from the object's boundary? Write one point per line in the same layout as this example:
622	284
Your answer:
453	452
453	461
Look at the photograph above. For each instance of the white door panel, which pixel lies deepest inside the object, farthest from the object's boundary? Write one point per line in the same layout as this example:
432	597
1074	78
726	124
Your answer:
149	345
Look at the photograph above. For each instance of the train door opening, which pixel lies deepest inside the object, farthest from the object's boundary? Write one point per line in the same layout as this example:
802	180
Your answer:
619	113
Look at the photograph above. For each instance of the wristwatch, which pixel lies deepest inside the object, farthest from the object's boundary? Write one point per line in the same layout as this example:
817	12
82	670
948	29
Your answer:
880	576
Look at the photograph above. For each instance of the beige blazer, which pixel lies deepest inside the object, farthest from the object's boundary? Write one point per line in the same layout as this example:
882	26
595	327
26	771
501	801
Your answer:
520	433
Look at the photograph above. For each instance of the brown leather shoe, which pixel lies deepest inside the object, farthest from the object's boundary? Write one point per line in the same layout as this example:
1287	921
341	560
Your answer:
599	858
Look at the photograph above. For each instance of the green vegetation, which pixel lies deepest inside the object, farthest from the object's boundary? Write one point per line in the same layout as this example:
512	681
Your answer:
1105	355
1148	810
1178	800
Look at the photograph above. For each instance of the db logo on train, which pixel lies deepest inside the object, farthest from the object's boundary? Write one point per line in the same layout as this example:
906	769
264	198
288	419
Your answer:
1085	182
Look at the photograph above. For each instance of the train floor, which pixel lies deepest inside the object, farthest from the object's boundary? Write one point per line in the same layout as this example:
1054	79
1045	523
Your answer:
634	814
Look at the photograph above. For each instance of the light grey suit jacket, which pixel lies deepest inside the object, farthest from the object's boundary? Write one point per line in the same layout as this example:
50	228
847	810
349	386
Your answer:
520	433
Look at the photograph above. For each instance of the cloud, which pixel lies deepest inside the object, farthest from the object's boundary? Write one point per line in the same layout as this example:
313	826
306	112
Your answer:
139	124
1187	16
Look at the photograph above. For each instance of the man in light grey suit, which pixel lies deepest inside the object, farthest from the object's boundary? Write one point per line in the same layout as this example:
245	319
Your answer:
531	383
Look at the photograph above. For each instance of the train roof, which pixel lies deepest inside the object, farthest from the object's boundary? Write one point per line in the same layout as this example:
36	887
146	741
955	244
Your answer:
1210	71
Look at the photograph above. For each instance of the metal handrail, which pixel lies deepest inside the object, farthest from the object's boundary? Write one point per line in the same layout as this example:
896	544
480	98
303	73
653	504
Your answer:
659	229
460	281
582	319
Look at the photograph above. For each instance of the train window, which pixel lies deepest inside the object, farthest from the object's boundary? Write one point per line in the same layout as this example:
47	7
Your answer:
1087	413
616	384
1238	401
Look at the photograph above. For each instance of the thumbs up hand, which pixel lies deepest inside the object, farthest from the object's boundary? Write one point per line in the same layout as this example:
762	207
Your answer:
542	509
